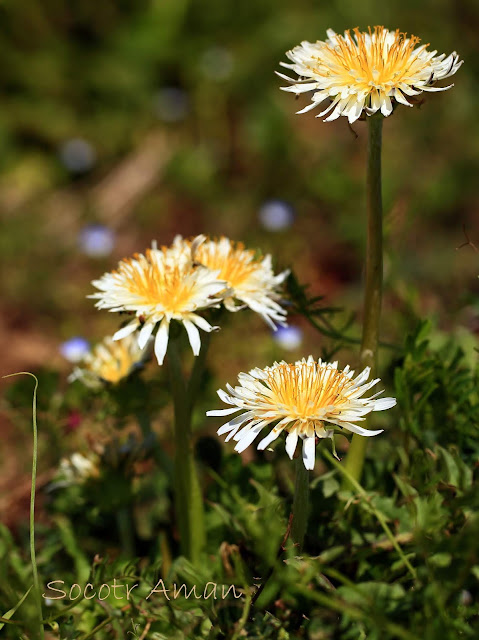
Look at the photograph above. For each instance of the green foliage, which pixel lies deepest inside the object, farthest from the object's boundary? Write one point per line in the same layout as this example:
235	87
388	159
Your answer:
438	394
349	582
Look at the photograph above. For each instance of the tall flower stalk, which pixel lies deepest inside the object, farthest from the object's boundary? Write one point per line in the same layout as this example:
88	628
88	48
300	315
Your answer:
300	504
374	279
188	498
367	75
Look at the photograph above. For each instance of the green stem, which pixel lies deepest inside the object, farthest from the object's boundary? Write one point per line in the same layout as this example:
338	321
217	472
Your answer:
374	279
239	628
300	503
365	498
99	627
188	498
36	582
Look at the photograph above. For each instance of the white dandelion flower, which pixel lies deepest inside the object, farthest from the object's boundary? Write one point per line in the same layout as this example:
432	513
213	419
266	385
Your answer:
362	73
110	362
250	279
158	287
303	399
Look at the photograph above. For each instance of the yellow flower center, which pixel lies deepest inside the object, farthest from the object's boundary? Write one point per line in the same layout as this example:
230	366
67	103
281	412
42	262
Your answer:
302	390
235	267
112	363
377	64
168	286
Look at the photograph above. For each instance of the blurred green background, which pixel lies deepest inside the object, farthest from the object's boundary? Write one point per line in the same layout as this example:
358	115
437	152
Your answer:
152	118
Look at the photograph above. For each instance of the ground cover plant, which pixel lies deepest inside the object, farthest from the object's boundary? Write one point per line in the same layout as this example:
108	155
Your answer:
258	427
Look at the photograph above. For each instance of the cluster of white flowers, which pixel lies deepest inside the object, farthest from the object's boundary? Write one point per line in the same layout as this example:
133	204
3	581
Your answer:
182	280
358	73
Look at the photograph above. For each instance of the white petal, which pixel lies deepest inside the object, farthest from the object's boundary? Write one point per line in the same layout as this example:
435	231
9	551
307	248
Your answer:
409	91
285	77
358	390
359	430
145	333
334	115
384	403
333	104
399	97
355	111
273	434
301	88
235	422
221	412
310	106
161	341
248	438
125	331
309	446
386	106
291	442
224	396
197	242
437	88
243	432
232	433
230	305
268	320
193	336
202	323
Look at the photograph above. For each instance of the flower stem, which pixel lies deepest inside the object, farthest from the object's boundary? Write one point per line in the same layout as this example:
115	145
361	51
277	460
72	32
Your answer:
374	279
300	503
188	498
36	582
